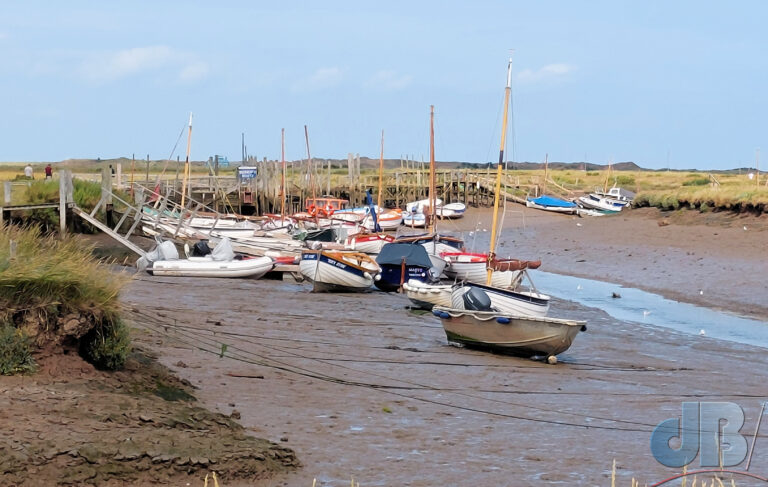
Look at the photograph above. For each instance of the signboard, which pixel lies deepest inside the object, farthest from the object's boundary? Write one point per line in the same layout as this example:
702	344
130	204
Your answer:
245	173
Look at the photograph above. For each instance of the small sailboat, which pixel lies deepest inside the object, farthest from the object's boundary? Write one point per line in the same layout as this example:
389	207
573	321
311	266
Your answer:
594	201
483	315
339	270
473	267
421	205
414	219
369	243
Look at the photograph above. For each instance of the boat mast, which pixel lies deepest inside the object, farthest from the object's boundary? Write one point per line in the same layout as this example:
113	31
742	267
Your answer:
507	92
186	163
381	168
309	165
282	182
432	179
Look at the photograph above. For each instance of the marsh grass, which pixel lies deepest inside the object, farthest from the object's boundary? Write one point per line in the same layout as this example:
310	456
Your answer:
48	278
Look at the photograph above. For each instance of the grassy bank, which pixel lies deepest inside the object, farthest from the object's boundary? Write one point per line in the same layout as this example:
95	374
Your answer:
55	295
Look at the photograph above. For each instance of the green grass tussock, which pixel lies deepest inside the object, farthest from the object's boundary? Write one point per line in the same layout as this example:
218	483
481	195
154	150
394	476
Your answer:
56	290
15	351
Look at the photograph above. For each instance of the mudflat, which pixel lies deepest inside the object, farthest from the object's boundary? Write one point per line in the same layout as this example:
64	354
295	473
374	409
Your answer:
361	386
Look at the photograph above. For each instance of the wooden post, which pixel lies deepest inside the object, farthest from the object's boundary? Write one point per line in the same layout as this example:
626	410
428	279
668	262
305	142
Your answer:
106	193
119	174
65	181
13	250
7	193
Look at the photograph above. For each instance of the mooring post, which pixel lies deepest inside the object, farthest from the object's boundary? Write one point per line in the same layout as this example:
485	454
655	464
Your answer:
106	194
64	178
119	174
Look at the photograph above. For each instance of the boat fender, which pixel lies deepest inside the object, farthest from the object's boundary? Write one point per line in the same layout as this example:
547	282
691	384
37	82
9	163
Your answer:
377	277
583	327
312	210
441	314
503	320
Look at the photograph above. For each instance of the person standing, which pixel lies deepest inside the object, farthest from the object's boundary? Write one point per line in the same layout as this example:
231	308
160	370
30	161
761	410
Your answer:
48	172
28	173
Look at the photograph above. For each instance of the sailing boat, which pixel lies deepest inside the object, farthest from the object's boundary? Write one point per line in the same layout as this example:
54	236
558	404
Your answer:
500	319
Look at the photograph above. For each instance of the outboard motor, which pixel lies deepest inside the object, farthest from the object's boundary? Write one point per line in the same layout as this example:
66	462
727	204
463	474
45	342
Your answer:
477	300
201	249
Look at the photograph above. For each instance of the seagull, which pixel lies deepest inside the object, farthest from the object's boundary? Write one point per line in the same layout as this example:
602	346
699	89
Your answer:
578	224
579	288
646	313
702	333
745	228
701	292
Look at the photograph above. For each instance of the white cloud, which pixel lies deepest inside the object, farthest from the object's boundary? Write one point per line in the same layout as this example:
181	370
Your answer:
548	72
389	80
113	65
319	80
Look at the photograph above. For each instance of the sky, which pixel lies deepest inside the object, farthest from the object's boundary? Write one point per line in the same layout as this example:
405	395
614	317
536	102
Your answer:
680	84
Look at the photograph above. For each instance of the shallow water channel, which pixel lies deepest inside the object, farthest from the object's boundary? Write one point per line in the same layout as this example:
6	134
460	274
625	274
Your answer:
652	309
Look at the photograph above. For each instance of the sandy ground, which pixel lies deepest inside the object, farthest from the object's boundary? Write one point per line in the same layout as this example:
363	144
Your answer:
362	387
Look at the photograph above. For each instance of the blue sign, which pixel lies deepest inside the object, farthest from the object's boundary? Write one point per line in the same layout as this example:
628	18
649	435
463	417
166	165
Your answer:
246	172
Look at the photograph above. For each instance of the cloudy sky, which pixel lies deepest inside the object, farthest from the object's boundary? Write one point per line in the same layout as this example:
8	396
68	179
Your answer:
682	83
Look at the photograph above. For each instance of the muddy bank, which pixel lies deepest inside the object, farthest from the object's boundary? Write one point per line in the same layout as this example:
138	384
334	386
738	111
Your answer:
359	386
73	425
711	259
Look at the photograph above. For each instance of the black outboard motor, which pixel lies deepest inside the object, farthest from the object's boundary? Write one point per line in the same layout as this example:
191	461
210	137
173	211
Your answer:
477	300
201	249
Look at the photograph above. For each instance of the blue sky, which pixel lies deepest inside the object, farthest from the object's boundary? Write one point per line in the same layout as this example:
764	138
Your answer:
646	81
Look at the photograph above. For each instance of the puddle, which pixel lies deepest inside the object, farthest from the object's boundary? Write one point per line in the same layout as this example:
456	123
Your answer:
652	309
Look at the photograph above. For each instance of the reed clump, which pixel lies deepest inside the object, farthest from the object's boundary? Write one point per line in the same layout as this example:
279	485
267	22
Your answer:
56	293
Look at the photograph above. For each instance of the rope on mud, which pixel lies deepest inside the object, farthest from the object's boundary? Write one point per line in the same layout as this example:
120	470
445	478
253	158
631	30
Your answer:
285	367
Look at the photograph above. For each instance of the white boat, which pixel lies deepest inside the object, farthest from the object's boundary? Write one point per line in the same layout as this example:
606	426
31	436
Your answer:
451	210
617	195
388	220
421	205
414	219
509	333
335	270
369	243
426	295
504	300
254	267
222	262
550	203
601	203
468	266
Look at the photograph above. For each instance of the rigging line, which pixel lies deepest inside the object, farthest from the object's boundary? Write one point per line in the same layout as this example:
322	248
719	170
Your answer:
411	384
167	161
580	365
416	398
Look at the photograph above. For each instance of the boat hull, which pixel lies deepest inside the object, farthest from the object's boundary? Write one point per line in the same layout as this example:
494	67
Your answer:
426	295
452	210
517	335
253	268
329	274
523	303
391	276
368	243
478	272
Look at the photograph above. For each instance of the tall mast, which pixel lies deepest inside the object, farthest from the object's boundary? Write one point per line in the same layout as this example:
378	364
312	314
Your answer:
186	162
432	180
381	168
282	179
309	165
507	92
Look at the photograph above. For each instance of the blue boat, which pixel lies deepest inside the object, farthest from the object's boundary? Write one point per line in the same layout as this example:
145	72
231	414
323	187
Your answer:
400	262
551	203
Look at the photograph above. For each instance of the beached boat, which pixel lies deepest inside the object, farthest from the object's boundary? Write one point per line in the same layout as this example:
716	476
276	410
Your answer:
414	219
617	195
505	300
451	210
601	203
421	205
220	262
473	267
434	243
402	262
425	295
342	271
369	243
387	219
508	333
551	203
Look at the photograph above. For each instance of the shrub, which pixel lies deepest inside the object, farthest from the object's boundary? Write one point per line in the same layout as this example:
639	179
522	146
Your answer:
625	180
696	182
107	345
15	353
704	208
